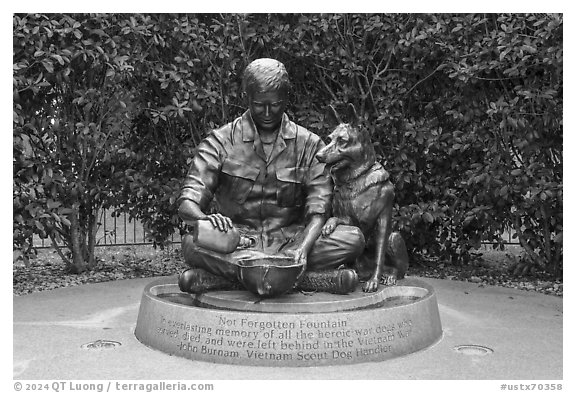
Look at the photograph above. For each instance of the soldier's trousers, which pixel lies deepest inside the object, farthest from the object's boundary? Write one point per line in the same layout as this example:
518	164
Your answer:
342	247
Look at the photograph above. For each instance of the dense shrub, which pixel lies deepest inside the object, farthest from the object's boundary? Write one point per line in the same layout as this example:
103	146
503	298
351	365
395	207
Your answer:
72	100
465	111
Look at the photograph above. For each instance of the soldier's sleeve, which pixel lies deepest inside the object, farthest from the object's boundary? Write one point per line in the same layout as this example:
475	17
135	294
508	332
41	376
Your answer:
201	180
319	186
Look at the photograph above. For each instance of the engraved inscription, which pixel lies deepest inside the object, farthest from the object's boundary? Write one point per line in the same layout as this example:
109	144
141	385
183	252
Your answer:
259	338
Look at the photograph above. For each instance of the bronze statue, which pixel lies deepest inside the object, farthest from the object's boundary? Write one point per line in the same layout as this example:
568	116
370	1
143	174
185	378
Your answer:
363	197
263	174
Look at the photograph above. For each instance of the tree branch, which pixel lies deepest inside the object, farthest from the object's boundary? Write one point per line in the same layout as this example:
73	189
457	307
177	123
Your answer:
529	250
59	251
422	80
546	229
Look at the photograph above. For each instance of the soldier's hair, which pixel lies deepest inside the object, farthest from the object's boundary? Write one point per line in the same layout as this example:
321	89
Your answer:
265	74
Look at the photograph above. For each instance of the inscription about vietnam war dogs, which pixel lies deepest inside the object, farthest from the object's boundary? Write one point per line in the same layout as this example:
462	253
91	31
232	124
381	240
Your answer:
277	341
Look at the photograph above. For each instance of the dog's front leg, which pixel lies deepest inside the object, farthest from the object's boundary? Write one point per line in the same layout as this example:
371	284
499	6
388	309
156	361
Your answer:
383	228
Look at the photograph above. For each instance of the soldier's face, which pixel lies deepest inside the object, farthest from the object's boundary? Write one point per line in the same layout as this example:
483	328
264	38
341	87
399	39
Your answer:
267	108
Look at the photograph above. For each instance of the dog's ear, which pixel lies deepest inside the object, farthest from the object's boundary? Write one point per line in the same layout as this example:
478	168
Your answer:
352	115
332	116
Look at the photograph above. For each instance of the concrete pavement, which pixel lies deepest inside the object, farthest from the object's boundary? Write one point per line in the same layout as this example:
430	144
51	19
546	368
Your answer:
524	330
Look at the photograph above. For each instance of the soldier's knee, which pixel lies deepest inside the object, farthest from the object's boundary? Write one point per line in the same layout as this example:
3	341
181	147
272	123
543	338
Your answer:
355	241
189	250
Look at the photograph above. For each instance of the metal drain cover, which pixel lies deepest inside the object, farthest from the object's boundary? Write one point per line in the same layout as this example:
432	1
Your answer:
473	350
101	345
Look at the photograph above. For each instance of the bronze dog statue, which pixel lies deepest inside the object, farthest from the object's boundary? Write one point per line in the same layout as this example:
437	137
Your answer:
363	196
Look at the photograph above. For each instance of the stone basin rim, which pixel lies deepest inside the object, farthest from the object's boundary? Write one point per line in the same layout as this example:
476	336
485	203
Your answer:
409	283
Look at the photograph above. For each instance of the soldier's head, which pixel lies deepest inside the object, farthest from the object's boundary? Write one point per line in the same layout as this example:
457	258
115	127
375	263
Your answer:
264	75
266	85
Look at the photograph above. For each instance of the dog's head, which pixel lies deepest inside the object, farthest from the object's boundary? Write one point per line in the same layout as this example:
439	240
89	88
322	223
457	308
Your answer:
350	145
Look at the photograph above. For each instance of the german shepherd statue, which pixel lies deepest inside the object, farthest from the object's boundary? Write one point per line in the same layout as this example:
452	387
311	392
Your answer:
363	197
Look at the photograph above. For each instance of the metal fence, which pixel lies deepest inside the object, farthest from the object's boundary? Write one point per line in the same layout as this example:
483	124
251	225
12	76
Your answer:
122	231
114	231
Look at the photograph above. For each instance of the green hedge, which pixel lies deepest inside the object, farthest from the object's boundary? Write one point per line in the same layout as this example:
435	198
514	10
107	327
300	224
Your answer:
465	112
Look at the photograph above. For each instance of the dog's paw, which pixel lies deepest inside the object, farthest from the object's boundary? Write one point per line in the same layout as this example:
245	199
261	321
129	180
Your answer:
388	279
330	226
370	285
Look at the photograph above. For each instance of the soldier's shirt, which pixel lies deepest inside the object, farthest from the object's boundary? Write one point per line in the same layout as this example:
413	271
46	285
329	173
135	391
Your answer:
267	196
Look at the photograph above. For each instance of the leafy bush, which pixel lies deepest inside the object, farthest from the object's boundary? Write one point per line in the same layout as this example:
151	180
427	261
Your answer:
72	102
465	111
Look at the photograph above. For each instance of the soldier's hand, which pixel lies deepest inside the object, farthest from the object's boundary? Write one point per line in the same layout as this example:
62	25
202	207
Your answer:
219	221
300	256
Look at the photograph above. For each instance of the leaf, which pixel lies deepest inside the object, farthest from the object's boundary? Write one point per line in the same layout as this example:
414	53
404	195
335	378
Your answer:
48	66
558	238
543	196
51	204
58	58
541	21
457	28
17	255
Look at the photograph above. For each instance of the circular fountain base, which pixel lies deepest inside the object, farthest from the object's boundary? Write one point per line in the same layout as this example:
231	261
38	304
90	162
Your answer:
296	329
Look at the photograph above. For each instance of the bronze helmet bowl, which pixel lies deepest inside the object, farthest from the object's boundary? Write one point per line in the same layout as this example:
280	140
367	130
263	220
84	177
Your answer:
269	276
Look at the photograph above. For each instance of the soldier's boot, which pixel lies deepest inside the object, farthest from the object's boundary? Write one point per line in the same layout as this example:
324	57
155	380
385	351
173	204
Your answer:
341	281
197	280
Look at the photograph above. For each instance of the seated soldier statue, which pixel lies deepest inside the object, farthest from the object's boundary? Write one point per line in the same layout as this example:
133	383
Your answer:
261	174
